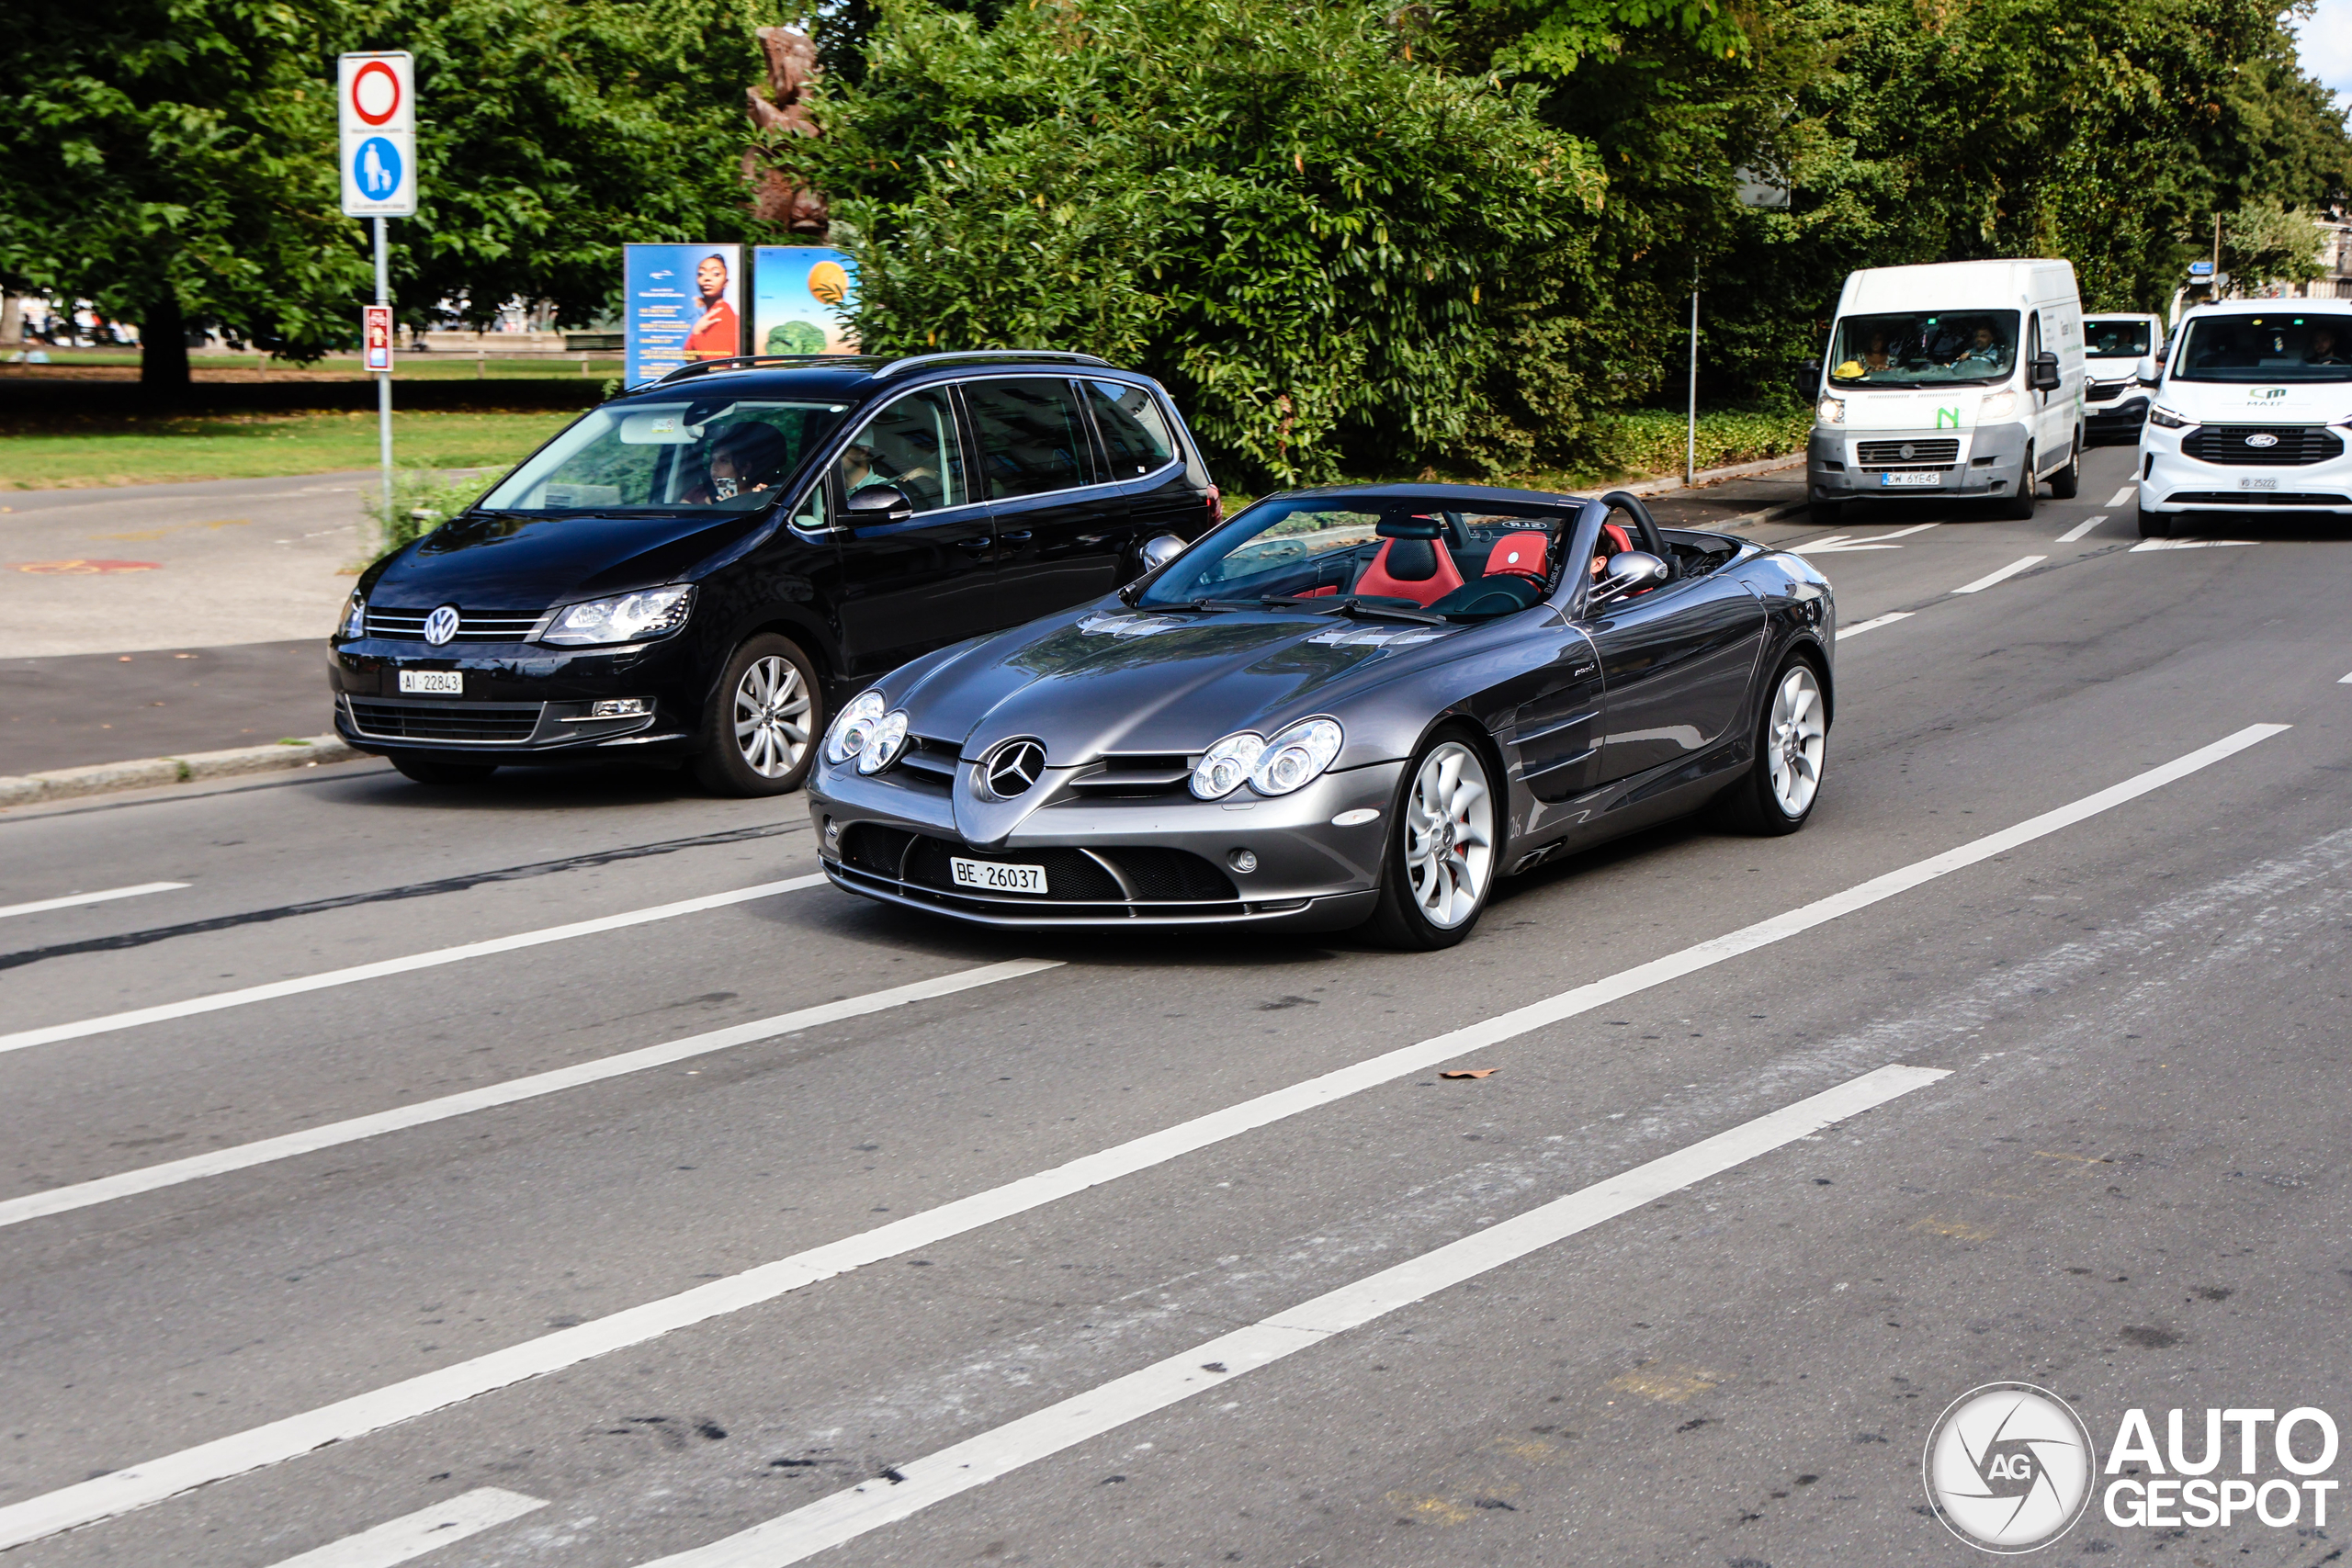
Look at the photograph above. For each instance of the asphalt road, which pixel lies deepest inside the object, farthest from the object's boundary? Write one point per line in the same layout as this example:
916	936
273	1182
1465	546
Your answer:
1306	1301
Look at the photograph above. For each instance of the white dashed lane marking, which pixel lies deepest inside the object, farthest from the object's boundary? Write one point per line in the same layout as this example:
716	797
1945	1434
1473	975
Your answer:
139	1486
1860	626
2122	496
42	906
2079	529
414	1535
1990	577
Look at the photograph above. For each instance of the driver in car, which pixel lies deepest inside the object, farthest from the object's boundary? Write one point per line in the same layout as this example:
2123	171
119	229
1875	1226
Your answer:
744	459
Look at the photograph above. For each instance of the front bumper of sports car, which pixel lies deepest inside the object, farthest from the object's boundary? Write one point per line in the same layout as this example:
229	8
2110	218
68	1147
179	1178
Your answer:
1165	859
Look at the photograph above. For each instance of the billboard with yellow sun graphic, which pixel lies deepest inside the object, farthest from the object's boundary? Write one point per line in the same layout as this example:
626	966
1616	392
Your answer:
802	301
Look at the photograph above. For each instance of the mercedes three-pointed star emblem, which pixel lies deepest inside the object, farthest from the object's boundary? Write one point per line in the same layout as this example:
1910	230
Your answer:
1012	769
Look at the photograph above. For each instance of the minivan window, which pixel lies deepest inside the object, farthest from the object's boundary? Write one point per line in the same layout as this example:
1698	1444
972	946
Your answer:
1913	348
1135	433
1032	439
712	453
913	445
2116	340
2310	345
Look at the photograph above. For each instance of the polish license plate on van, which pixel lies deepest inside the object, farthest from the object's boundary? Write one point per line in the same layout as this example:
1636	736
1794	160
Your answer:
1910	481
2250	483
989	876
433	683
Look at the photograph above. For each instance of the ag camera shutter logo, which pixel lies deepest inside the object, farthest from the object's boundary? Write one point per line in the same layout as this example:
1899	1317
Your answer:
2009	1468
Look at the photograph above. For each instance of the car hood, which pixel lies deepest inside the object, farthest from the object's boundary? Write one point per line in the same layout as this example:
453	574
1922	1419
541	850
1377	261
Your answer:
510	562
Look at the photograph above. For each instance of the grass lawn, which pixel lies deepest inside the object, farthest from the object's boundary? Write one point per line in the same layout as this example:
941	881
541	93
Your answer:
407	366
239	446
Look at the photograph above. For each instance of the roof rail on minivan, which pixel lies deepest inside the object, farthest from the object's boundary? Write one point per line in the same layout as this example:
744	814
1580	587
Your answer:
1018	355
736	361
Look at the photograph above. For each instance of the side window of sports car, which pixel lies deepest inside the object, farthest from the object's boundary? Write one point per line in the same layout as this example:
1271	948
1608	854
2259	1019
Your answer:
913	445
1033	439
1135	430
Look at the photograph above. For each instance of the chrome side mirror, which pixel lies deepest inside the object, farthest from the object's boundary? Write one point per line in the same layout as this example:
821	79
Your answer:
1628	571
1160	549
888	500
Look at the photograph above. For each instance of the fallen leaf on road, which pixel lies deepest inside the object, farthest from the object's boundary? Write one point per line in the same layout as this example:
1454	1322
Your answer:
1469	1073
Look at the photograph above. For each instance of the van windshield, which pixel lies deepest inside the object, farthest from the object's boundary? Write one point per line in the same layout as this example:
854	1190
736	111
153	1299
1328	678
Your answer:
1917	348
2126	339
712	453
2289	346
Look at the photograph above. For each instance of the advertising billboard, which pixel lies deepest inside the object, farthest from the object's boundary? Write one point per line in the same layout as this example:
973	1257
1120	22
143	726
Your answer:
801	300
678	302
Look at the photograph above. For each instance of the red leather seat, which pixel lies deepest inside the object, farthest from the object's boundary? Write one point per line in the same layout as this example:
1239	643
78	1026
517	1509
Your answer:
1523	554
1442	578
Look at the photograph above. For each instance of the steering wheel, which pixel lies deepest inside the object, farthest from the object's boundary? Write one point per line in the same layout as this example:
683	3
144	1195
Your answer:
1644	528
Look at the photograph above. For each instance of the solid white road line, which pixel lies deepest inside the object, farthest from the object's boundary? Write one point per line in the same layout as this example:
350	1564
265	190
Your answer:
2146	545
1989	578
53	1032
910	1488
2121	496
427	1529
147	1179
1858	627
2079	529
71	899
139	1486
1900	533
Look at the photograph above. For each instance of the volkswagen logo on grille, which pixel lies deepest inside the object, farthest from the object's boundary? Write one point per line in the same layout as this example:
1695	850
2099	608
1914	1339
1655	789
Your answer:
2262	438
1012	769
1909	451
441	625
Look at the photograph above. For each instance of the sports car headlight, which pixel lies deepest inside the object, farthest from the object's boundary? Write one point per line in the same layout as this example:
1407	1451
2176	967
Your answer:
882	741
1297	756
1830	410
1997	405
355	617
630	617
853	726
2166	419
1225	764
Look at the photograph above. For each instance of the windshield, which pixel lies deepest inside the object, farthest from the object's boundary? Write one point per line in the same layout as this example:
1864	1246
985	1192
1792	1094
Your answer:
1420	555
1925	348
2117	340
714	454
2310	346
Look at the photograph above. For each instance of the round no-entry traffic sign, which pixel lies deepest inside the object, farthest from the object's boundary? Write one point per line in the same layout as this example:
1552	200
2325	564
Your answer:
375	91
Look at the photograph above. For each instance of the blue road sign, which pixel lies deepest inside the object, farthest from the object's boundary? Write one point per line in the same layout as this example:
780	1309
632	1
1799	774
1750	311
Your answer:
376	167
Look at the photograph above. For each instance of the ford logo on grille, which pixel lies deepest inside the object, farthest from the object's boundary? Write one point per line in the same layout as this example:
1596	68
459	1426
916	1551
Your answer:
2262	438
1012	769
441	625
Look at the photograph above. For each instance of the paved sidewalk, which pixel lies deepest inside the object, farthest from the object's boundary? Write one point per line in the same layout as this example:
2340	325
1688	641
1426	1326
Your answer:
79	709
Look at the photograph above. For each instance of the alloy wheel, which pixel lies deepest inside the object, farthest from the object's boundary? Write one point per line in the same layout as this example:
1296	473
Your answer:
1795	743
1449	835
771	716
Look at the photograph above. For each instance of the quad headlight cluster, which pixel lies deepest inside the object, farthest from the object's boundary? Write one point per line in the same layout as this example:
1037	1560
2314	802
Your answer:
869	730
1295	758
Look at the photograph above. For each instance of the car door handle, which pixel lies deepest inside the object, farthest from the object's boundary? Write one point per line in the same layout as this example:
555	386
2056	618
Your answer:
1016	535
980	542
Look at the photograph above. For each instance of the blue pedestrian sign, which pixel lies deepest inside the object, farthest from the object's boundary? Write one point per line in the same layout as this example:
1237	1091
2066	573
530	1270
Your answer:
377	169
376	97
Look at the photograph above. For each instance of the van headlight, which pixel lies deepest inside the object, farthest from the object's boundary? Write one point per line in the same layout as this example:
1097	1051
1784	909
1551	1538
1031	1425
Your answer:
627	617
1830	410
355	617
1297	756
2164	417
1997	405
853	726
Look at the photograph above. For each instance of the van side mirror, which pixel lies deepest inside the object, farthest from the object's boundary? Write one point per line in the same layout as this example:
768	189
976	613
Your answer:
1806	379
2148	374
888	499
2043	374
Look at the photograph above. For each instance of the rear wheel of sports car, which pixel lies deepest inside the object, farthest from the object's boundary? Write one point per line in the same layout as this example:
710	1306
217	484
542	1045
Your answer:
1439	864
429	769
1777	794
761	733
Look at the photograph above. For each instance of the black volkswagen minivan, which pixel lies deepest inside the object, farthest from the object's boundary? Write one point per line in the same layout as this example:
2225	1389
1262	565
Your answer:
705	567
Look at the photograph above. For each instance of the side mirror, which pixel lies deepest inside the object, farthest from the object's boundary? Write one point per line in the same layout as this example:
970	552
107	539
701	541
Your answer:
1628	571
888	500
2148	374
2043	375
1160	549
1806	380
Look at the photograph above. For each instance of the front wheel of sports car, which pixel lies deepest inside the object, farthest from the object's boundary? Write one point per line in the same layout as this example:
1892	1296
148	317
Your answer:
1777	794
1439	864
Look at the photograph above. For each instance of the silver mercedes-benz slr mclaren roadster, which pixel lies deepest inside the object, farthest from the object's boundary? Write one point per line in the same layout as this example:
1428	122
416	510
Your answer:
1341	708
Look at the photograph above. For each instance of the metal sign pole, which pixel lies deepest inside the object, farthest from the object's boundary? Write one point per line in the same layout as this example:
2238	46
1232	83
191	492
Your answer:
1691	445
384	377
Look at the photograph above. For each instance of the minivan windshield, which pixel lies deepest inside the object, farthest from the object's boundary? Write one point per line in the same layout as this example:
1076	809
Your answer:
710	454
2291	346
1917	348
2126	339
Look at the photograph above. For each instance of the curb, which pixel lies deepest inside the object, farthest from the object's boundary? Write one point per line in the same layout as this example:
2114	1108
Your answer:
145	772
1709	476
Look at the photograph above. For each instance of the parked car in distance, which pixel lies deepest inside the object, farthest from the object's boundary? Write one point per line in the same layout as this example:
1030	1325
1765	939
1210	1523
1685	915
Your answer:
1952	379
703	567
2120	355
2253	413
1353	707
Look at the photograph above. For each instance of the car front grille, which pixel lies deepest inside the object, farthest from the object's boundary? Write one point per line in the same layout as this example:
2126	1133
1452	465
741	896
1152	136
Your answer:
408	626
2290	444
2098	394
1129	875
927	763
2251	498
480	724
1898	454
1134	775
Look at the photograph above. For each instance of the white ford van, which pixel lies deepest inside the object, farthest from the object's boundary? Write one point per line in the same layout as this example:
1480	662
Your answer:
2255	409
1961	379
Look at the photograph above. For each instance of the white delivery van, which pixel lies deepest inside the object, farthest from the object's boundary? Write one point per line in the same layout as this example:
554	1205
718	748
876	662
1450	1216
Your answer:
2254	411
2120	354
1959	378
